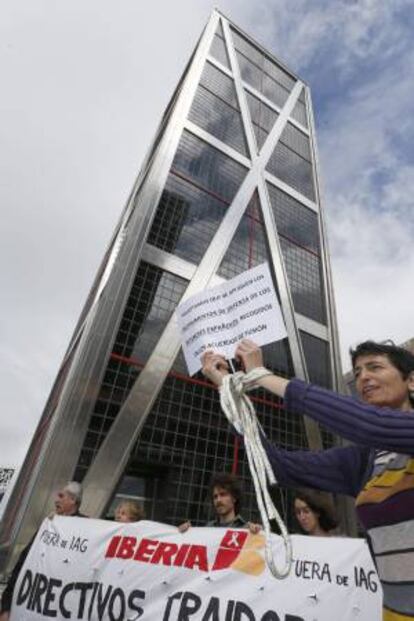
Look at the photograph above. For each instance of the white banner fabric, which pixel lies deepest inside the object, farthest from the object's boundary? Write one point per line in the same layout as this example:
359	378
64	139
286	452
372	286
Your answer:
218	318
94	570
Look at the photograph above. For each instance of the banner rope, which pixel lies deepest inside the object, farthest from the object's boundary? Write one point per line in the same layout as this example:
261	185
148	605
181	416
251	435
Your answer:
240	412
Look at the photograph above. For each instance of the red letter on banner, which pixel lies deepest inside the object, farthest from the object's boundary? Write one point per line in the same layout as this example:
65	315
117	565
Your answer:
112	547
145	550
127	547
197	556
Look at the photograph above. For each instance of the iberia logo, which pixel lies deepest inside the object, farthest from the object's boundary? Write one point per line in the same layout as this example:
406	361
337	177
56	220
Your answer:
238	549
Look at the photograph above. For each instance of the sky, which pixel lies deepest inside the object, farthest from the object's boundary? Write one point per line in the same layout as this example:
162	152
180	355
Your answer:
83	87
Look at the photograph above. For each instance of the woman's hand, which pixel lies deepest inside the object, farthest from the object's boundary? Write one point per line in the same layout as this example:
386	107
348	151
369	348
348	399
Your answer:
215	367
249	354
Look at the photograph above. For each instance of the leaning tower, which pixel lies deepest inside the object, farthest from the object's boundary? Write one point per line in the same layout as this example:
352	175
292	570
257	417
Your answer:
230	181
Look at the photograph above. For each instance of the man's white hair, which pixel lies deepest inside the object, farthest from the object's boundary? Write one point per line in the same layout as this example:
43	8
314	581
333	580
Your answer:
75	490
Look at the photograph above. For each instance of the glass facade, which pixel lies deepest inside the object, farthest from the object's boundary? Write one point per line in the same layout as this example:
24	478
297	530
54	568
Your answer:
218	48
248	246
207	168
262	116
292	163
203	164
298	231
261	72
216	110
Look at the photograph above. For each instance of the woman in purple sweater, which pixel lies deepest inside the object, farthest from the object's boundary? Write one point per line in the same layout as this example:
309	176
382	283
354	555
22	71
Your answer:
378	471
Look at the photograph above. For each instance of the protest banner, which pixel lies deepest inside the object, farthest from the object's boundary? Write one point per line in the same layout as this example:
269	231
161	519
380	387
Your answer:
218	318
97	570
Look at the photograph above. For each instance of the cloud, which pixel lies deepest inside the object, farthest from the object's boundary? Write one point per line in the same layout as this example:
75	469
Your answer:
352	30
373	268
83	88
369	176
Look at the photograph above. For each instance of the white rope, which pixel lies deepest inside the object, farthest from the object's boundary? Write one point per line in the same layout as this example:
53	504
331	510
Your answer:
240	412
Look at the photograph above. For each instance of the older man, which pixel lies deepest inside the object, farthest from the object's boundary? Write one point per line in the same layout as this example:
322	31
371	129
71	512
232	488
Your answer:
67	502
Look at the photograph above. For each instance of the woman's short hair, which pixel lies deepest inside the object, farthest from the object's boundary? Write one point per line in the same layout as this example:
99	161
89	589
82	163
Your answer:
401	358
321	504
134	509
231	484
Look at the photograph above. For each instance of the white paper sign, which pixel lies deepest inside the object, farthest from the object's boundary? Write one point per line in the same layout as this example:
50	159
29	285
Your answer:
218	318
95	570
